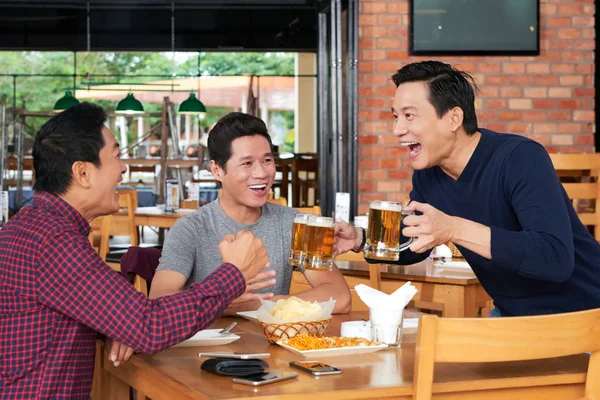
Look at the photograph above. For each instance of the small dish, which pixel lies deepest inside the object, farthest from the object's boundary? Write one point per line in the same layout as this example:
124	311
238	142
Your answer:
208	337
249	315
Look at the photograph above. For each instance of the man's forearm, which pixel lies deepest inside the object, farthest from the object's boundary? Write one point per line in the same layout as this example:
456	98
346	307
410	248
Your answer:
473	236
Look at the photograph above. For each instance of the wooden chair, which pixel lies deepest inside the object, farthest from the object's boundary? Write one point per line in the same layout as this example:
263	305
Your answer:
119	225
466	340
316	210
579	173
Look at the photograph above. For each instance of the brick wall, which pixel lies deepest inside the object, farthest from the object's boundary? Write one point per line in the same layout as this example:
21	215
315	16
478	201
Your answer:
549	98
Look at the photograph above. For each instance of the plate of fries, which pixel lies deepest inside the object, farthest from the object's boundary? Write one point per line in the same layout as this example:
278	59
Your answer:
312	346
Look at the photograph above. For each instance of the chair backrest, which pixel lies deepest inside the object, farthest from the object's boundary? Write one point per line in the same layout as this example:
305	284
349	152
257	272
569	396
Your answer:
138	266
581	171
121	224
316	210
282	201
465	340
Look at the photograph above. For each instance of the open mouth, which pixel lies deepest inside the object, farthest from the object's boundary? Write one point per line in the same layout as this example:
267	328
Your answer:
414	148
257	188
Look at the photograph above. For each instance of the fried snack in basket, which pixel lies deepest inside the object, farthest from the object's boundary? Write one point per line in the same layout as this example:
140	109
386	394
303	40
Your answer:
293	316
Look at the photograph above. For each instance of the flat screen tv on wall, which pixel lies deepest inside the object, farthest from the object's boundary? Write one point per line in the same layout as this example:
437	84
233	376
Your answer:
473	27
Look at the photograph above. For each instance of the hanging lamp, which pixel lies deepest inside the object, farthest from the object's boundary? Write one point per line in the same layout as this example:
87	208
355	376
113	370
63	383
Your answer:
192	106
129	105
68	100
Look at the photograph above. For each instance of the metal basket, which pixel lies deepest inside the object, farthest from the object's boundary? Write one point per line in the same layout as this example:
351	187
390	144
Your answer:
276	332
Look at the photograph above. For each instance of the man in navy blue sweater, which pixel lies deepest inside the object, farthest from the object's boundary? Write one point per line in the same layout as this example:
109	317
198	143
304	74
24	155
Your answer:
496	196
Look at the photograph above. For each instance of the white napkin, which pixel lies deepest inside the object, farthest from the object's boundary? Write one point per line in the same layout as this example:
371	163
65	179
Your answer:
442	251
376	299
459	265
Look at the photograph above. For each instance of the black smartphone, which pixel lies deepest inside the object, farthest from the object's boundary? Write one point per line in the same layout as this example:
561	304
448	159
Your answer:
265	378
315	367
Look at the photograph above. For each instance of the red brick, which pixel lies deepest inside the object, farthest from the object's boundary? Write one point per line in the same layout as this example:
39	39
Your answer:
569	33
567	104
520	104
542	139
388	68
374	8
389	163
544	128
497	127
585	69
387	43
365	90
366	42
374	102
571	127
538	68
570	9
489	115
399	174
583	21
546	80
378	126
584	45
560	115
560	44
560	92
374	31
558	22
584	139
388	20
387	90
398	8
373	79
489	91
397	151
509	115
511	92
372	174
496	103
389	186
533	92
513	68
367	139
397	55
367	19
546	103
551	149
367	186
584	92
488	67
366	66
548	9
372	54
521	80
583	115
519	127
563	140
534	116
372	151
388	138
563	68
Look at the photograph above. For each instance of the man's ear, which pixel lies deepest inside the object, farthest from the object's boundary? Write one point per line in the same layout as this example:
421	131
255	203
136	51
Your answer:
456	116
81	174
216	170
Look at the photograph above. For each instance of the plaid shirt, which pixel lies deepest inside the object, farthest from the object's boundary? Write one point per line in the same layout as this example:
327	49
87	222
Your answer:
56	293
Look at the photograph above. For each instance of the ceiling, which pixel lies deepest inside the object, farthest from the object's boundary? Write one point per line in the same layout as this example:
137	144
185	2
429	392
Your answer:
224	25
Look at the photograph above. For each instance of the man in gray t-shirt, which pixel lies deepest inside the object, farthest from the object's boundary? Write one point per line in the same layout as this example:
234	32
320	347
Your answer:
242	160
192	245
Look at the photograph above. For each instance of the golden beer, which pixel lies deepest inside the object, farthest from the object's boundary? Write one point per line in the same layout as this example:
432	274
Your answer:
298	240
319	243
383	232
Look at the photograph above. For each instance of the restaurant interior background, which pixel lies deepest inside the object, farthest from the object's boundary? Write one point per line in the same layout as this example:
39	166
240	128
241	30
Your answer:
345	50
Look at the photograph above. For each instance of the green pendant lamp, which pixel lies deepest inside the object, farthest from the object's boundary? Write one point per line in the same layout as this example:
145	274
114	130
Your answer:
68	100
192	106
129	105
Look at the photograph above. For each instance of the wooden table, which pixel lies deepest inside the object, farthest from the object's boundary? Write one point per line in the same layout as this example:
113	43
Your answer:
156	216
175	374
456	293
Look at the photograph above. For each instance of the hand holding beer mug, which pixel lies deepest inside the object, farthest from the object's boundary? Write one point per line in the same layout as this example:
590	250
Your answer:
319	243
383	232
298	248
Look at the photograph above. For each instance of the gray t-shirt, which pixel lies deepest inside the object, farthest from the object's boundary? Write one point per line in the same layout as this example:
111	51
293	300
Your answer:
192	246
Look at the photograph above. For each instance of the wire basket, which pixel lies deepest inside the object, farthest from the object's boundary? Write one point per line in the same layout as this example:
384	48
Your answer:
455	252
276	332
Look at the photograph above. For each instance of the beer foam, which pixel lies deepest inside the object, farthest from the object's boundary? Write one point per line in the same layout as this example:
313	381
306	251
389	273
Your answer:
300	219
386	206
322	222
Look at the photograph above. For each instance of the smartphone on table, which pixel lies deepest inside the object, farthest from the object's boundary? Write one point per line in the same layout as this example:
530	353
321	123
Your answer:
316	368
265	378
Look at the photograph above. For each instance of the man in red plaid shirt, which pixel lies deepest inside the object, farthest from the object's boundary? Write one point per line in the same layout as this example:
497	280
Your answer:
56	293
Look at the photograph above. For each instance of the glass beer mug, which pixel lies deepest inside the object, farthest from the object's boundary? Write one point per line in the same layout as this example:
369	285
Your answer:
298	240
318	239
383	232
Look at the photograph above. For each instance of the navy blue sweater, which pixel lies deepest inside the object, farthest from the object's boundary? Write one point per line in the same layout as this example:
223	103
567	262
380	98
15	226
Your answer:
544	260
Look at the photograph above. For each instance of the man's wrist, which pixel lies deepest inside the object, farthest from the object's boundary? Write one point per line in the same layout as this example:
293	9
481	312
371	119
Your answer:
361	238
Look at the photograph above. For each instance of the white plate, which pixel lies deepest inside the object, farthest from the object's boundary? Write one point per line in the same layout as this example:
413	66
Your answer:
208	337
249	315
336	351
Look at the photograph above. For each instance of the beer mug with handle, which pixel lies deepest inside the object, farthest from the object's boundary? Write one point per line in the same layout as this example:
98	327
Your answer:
318	239
298	245
383	232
